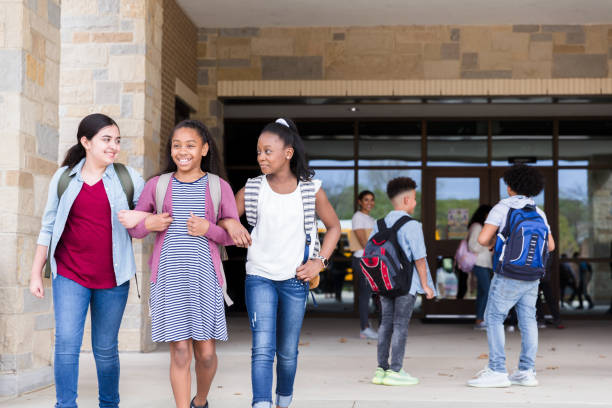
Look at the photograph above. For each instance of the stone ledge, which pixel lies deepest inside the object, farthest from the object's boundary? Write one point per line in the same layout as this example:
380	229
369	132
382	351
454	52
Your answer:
13	384
433	87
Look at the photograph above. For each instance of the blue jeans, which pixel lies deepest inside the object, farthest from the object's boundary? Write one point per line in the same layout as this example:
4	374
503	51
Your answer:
503	295
483	278
70	304
276	311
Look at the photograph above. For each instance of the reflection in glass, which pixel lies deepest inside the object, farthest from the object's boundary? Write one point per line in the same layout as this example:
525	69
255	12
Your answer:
583	143
328	143
390	143
585	217
522	139
453	143
335	292
376	181
338	185
456	200
593	282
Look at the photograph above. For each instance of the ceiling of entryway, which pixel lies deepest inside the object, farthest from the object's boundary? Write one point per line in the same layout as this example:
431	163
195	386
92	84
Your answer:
308	13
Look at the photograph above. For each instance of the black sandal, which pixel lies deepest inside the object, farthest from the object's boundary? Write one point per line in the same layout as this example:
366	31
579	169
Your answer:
192	405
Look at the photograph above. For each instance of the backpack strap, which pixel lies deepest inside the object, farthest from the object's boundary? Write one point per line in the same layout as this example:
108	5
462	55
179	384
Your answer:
308	202
400	223
160	191
215	194
126	183
251	199
63	182
214	184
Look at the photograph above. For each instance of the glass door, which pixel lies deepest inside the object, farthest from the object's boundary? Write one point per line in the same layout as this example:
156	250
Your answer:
451	197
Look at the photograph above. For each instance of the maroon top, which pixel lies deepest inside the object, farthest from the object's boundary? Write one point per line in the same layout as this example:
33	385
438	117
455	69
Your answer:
84	254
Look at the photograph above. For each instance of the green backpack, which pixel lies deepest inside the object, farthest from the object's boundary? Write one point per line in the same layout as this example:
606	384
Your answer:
62	185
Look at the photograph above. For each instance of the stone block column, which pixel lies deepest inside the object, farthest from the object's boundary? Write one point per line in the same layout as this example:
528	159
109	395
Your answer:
111	63
29	77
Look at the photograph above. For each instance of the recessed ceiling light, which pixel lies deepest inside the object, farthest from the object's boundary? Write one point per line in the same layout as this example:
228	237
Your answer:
353	109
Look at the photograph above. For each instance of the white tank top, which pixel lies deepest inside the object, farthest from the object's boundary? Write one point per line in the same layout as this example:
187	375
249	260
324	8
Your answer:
278	238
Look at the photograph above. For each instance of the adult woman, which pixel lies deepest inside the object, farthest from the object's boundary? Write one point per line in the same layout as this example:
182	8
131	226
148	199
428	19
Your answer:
363	224
90	255
483	267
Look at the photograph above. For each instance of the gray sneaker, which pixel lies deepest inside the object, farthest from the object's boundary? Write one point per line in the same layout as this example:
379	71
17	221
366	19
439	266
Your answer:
369	334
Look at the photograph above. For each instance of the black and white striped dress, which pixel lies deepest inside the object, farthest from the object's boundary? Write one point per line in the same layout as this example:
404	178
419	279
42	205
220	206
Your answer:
186	300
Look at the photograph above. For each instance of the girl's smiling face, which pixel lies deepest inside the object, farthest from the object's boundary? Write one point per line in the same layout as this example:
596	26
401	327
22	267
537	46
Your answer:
104	147
272	154
187	149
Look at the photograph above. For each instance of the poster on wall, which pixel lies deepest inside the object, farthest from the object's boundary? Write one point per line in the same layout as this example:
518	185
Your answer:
457	222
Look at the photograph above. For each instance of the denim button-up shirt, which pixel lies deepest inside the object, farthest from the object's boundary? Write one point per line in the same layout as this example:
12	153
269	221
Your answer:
57	211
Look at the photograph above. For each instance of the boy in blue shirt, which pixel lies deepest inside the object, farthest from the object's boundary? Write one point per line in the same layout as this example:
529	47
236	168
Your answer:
396	311
524	183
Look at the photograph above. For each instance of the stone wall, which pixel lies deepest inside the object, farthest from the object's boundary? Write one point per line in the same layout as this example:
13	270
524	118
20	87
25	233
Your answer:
111	63
29	76
405	52
179	40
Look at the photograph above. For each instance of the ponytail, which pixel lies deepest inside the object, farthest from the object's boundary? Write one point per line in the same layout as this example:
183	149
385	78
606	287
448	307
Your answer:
74	155
287	131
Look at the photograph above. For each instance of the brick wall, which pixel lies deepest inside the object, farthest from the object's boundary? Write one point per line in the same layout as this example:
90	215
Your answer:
179	45
29	77
111	63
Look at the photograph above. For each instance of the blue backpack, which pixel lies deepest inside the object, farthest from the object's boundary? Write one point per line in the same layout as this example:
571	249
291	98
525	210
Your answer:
384	264
521	249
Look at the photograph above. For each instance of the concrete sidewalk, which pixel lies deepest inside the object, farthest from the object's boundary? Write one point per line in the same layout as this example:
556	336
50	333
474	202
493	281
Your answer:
574	368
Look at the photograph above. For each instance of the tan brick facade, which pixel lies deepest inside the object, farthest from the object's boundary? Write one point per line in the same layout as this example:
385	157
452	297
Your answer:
111	63
410	53
29	55
179	51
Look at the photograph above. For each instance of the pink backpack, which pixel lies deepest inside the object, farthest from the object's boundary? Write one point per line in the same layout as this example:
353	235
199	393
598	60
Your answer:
464	258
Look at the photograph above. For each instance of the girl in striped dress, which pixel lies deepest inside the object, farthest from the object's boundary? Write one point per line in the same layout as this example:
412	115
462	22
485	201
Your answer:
187	282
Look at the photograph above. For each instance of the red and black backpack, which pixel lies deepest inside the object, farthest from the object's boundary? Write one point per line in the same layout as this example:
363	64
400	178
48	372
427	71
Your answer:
384	264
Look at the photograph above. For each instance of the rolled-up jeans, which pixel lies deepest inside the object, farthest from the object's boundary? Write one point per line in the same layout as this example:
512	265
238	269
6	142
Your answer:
70	303
503	295
276	312
393	331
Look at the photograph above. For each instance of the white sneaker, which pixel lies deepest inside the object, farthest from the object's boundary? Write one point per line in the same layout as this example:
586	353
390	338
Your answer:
526	378
488	378
510	328
368	333
482	326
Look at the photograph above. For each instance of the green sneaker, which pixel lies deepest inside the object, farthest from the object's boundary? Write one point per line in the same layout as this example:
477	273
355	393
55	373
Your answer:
399	378
379	376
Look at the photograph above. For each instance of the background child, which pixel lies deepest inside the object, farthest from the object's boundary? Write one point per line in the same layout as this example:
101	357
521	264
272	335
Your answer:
186	283
277	280
396	312
524	183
